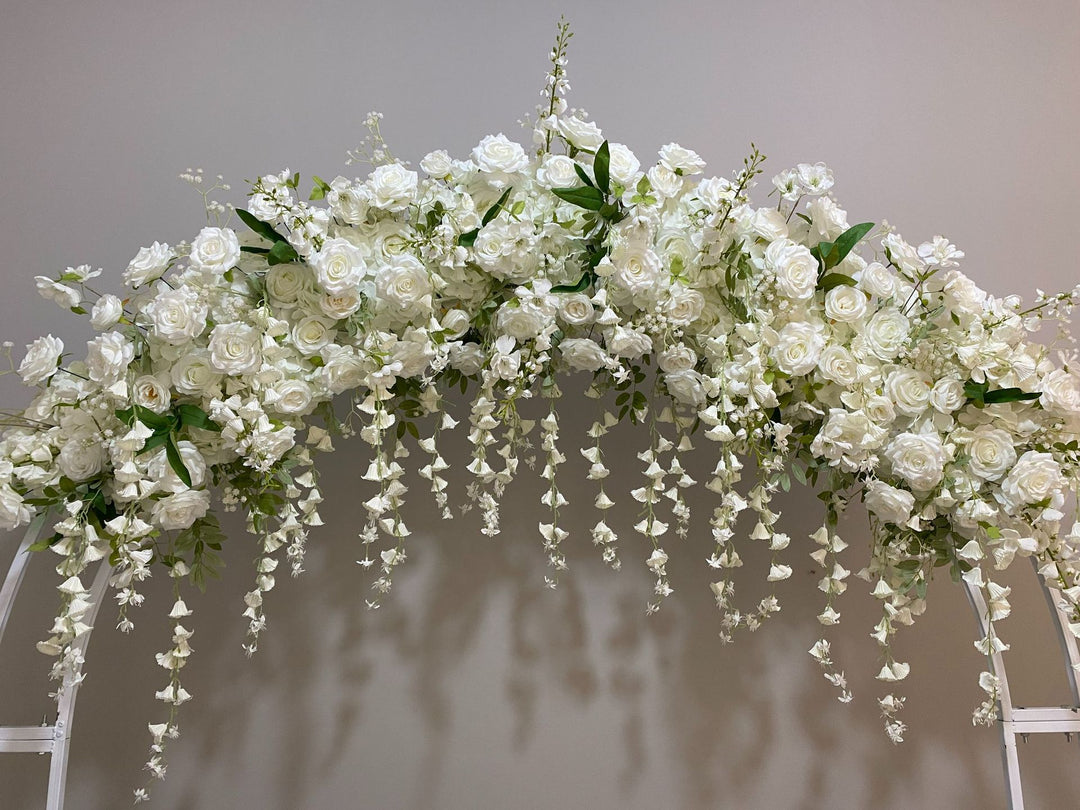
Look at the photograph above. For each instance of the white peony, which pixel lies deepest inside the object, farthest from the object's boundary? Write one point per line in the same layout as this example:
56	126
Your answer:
42	360
108	357
215	250
235	348
149	264
180	509
918	458
887	503
339	266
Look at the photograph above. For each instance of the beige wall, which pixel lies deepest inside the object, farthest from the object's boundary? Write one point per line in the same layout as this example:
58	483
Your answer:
474	687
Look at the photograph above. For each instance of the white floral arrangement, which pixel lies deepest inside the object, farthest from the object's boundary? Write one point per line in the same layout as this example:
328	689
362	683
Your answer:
837	354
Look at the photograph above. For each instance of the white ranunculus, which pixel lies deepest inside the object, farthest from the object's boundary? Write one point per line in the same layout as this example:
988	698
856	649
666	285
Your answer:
1061	393
60	294
676	358
1036	477
879	280
293	397
794	267
498	154
909	390
339	266
628	343
576	309
990	452
686	386
918	458
235	348
215	250
582	354
285	282
393	187
42	359
681	160
107	312
437	164
403	285
623	165
149	392
81	459
181	509
159	469
684	305
798	348
176	316
193	374
845	304
149	264
557	171
582	134
839	365
13	512
886	333
108	357
889	504
947	395
310	334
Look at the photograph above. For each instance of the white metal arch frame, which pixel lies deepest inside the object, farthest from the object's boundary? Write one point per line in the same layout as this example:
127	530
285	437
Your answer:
54	739
1021	721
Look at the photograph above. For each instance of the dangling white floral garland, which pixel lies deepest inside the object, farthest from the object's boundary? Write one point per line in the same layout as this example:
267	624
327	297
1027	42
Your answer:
782	335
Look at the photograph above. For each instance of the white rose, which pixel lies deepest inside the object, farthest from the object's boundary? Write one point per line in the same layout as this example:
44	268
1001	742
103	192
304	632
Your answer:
794	267
235	348
468	358
845	304
962	295
918	458
677	358
310	334
42	359
582	354
437	164
340	305
176	316
664	181
498	154
339	266
715	192
81	459
990	452
680	159
827	218
13	512
455	323
686	386
215	250
637	268
576	309
151	393
1036	477
60	294
285	282
522	322
628	343
403	285
839	365
181	509
342	369
160	470
947	395
886	333
347	201
909	390
108	357
770	224
684	305
879	280
880	409
393	187
192	373
149	264
798	348
582	134
107	312
889	504
1061	393
623	165
847	439
557	171
293	397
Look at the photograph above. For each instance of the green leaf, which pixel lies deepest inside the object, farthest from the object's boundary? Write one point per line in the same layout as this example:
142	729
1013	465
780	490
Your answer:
263	229
583	175
587	197
194	416
281	253
172	453
321	188
250	249
1010	395
827	282
848	239
822	251
493	212
602	168
155	441
468	239
46	543
579	286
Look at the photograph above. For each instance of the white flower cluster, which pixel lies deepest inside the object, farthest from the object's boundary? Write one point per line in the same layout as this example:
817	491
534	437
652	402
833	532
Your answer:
841	355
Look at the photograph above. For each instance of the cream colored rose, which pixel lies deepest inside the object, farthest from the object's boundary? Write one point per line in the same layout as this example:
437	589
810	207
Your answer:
918	458
582	354
887	503
886	333
798	348
235	348
845	304
215	250
909	390
181	509
990	452
151	393
1035	478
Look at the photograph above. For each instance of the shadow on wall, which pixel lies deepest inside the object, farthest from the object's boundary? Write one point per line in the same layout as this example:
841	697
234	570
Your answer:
476	686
